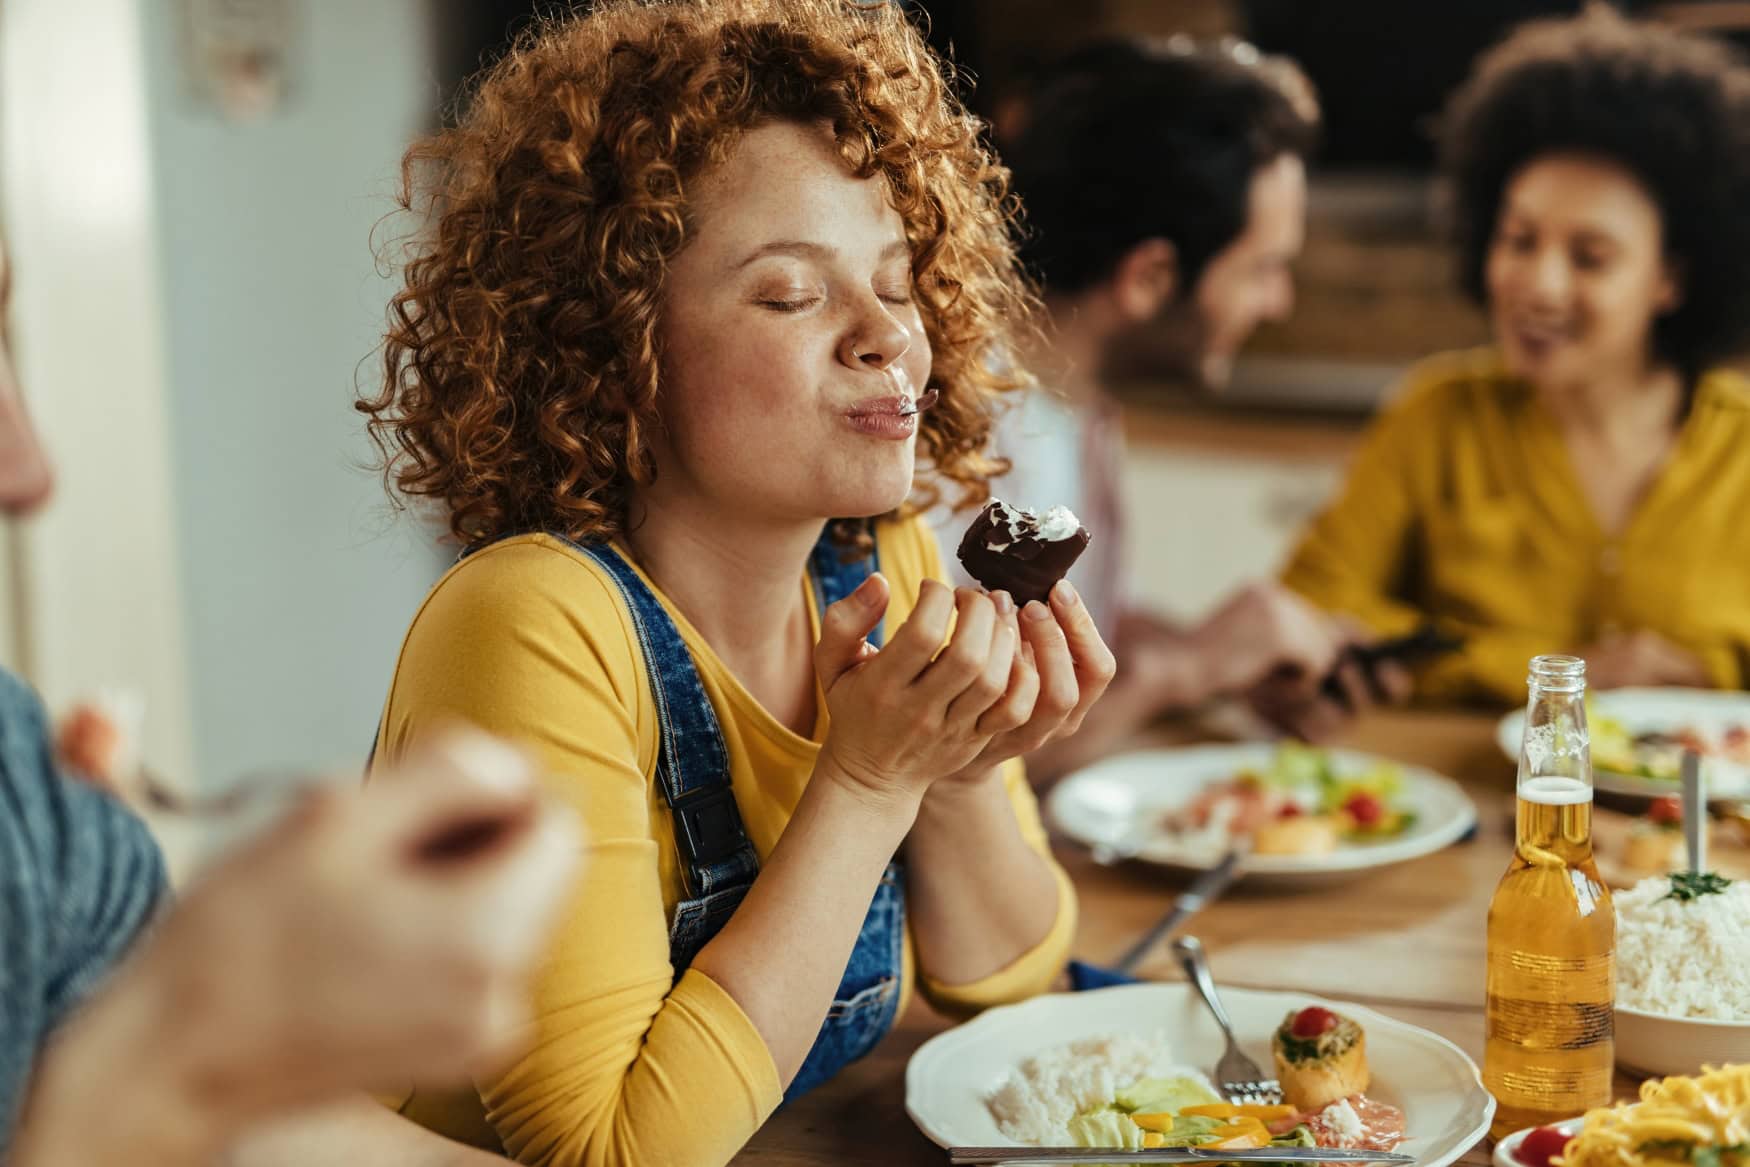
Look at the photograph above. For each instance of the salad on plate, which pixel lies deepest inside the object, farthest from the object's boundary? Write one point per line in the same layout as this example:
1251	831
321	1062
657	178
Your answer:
1301	803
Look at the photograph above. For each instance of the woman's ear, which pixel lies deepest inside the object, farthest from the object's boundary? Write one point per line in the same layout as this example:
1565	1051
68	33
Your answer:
1145	280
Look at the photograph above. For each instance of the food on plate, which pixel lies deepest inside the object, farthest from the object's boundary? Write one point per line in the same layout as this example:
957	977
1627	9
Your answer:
1070	1096
1540	1147
1359	1123
1702	1121
1738	814
1658	754
1298	834
1683	947
1655	841
1039	1098
1300	804
1321	1058
1015	550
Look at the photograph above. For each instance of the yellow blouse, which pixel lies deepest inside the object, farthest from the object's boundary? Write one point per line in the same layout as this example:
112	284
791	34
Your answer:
630	1066
1462	507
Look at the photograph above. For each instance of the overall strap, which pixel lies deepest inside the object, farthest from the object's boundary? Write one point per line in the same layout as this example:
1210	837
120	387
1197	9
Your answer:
834	579
692	764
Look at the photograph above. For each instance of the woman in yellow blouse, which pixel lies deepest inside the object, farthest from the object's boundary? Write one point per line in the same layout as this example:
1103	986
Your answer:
690	272
1584	485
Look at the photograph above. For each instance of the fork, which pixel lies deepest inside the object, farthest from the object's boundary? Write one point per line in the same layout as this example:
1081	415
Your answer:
252	790
1237	1077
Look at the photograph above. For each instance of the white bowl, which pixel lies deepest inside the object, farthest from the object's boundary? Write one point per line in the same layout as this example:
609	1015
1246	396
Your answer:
1654	1044
1509	1144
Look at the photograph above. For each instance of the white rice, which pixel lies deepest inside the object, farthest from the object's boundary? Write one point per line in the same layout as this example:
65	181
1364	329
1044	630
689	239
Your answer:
1684	958
1035	1102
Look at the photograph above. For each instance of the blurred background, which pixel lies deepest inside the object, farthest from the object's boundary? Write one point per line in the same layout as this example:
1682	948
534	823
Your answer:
191	191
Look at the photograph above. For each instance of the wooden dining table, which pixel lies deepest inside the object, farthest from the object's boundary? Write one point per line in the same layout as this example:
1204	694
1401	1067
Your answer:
1407	941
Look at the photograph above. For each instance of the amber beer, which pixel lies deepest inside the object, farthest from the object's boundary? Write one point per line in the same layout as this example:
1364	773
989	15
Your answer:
1549	1023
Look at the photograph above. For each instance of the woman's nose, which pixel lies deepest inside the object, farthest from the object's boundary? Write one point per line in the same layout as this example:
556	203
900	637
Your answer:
876	340
1549	278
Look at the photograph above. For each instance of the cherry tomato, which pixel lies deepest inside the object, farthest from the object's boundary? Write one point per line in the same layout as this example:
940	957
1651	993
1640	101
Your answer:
1289	810
1313	1021
1665	810
1365	809
1541	1146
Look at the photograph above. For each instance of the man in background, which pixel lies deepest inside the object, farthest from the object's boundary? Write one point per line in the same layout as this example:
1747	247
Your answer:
1163	190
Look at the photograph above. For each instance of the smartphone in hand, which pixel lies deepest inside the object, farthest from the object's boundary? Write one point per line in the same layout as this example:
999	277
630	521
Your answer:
1425	644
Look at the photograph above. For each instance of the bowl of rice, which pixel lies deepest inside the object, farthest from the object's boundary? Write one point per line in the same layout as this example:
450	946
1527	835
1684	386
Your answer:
1682	974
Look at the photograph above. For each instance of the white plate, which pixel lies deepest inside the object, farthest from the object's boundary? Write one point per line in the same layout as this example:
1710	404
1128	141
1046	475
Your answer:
1657	1045
1103	805
1504	1150
1446	1109
1647	710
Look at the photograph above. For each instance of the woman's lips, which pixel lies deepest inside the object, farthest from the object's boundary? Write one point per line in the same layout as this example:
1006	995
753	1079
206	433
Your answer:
892	418
1537	339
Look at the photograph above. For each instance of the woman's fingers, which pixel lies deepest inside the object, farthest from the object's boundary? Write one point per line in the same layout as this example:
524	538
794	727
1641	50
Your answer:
961	664
911	649
844	625
1058	688
1095	666
993	683
1015	708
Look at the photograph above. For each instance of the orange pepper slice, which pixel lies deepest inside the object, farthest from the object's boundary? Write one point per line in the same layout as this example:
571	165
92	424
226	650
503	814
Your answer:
1161	1122
1153	1139
1242	1133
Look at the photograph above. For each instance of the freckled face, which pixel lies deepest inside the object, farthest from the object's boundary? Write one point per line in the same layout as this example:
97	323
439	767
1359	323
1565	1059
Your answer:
790	337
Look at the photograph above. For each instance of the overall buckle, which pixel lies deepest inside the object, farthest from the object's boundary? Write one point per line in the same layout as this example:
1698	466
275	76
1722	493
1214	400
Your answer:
709	824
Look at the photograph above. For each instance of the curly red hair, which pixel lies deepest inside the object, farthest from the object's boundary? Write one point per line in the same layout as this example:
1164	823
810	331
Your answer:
522	361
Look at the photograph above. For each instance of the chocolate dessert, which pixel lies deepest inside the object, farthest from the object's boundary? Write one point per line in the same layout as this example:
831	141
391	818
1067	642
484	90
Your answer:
1021	552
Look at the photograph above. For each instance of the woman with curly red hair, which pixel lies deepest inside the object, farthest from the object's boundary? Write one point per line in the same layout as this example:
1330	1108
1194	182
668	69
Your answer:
689	272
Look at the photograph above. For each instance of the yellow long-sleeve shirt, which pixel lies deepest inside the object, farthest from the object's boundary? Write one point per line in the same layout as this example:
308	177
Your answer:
1462	506
630	1066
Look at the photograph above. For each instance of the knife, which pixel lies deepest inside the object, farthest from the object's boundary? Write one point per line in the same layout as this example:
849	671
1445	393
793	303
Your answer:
1192	900
1095	1155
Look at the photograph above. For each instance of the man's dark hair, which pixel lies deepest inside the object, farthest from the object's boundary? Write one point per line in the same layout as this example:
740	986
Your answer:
1127	140
1671	108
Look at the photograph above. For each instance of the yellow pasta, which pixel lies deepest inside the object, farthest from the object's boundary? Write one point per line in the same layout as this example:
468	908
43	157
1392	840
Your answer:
1677	1121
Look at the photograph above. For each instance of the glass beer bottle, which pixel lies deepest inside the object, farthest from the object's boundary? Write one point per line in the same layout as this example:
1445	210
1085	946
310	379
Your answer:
1549	1022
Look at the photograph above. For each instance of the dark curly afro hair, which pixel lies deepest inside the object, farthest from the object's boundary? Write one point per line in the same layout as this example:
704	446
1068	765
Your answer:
1671	108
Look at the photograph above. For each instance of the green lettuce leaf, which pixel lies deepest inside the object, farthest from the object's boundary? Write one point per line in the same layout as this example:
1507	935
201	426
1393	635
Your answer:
1104	1128
1163	1095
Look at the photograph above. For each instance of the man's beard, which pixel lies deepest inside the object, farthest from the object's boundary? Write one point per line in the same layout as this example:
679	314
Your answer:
1174	346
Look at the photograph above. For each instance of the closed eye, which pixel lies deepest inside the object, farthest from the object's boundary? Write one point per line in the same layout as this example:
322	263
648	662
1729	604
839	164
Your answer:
798	305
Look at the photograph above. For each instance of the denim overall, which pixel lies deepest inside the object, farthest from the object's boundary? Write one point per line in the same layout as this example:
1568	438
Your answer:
692	766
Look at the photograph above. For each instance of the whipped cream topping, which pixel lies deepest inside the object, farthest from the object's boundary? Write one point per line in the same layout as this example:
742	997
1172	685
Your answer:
1011	524
1058	523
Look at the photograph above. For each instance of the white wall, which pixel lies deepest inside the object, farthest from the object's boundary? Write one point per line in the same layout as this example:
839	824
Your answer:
97	599
1250	508
296	588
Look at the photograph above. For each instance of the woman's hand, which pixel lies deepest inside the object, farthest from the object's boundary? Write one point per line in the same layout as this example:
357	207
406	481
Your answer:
917	709
1063	668
1641	658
